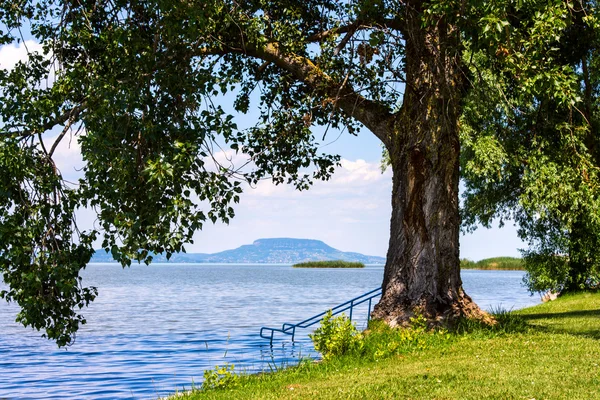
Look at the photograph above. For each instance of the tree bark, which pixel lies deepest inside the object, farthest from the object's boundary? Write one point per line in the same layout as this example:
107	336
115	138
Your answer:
422	272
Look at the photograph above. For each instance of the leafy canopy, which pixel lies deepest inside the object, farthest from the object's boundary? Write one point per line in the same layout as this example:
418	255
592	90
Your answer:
530	143
150	90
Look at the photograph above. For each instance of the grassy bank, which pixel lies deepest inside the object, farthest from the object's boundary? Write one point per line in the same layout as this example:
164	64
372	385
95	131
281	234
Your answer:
329	264
496	263
551	351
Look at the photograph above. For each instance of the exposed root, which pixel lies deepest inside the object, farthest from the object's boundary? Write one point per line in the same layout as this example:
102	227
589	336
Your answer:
398	310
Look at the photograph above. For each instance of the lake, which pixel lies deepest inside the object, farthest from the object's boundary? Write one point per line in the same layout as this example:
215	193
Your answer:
155	329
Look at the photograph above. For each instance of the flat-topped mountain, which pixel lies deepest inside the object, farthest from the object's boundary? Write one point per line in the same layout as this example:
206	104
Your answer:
267	251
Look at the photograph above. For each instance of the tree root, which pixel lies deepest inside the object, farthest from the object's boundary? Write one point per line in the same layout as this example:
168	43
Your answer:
397	311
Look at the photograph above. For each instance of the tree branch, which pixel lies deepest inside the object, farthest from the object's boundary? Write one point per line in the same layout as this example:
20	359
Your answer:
344	41
395	24
317	37
68	117
374	115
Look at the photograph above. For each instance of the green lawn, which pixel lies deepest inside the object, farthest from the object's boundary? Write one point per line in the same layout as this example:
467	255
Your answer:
553	354
571	314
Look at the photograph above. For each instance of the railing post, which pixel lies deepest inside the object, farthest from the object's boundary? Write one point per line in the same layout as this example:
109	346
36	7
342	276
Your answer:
369	313
351	307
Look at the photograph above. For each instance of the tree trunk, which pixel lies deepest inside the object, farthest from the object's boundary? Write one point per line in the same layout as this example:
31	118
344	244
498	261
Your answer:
422	272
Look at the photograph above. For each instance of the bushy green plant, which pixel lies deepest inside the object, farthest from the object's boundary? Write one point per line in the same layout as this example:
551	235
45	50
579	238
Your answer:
221	377
383	341
336	336
418	323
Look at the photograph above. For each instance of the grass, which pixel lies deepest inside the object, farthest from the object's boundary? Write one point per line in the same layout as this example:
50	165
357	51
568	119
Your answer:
551	351
329	264
496	263
576	314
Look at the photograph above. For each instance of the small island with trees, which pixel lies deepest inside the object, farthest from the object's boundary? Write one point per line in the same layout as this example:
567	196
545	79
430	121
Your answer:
329	264
496	263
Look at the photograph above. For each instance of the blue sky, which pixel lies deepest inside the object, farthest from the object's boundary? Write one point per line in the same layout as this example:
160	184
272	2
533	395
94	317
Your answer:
351	212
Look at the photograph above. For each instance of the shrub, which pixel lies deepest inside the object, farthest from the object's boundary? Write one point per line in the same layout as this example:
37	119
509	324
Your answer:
220	378
336	336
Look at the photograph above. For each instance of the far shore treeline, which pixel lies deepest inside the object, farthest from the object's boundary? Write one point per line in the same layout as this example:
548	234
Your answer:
496	263
329	264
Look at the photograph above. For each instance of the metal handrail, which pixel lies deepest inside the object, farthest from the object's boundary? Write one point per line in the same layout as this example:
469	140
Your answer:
290	329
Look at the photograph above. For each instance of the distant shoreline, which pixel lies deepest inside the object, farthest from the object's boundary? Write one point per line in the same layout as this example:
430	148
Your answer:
473	266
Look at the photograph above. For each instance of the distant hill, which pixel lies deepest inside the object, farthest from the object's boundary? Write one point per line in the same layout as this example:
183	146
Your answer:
264	251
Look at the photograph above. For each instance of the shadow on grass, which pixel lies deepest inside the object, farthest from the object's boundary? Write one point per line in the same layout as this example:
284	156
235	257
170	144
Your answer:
585	322
567	314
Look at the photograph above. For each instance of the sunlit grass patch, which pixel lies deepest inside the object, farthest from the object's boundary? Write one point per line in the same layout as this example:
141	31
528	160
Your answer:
577	314
543	352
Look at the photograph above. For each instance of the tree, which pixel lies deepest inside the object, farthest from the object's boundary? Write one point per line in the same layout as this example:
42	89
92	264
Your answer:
536	159
137	78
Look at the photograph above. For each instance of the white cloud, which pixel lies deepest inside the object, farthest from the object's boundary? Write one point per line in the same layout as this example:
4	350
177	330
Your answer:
359	172
11	54
266	188
351	177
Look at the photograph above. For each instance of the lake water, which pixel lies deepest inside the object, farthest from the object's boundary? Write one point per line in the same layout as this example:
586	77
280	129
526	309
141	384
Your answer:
155	329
